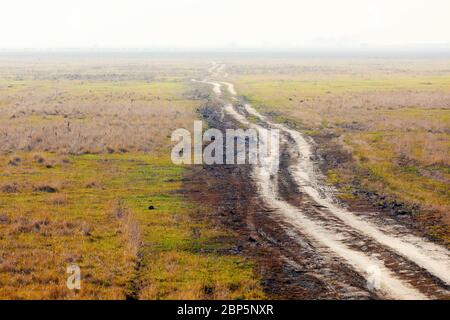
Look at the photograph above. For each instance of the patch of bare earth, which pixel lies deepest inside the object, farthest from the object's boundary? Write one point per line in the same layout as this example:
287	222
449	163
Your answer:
289	266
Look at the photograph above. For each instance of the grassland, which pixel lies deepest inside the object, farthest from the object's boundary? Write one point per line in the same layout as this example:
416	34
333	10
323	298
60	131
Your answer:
391	116
86	178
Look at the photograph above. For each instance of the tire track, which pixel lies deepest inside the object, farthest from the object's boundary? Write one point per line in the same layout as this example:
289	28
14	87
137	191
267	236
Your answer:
410	267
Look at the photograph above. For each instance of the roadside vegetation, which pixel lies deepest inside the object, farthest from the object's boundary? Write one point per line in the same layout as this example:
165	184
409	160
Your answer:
86	178
382	125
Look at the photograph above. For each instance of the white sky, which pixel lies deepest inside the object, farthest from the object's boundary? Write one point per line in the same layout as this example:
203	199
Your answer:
222	23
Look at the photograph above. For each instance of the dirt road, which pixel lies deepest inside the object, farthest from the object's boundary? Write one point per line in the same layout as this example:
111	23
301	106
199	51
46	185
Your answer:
386	258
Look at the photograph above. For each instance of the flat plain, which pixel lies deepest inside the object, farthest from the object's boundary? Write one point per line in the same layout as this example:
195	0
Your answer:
86	176
86	179
382	126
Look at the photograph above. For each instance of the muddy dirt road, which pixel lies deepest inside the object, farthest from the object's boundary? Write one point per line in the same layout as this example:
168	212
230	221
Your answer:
352	254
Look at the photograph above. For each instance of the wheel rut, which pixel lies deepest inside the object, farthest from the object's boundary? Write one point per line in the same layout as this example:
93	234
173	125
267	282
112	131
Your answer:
351	255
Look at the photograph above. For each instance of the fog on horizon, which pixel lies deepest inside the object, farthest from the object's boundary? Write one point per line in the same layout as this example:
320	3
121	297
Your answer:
203	24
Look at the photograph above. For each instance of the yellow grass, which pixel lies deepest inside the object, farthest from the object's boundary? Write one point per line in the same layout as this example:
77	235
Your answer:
84	153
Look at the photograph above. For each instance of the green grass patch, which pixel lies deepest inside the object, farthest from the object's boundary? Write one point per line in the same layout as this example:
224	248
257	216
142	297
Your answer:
45	232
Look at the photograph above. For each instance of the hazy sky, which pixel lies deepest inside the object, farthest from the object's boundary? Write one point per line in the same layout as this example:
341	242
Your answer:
214	23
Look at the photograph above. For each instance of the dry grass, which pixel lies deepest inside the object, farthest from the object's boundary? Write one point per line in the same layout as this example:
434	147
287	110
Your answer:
84	151
392	116
77	117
